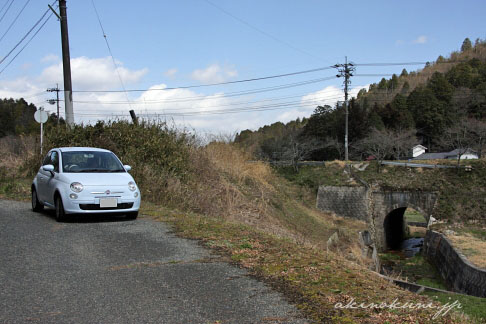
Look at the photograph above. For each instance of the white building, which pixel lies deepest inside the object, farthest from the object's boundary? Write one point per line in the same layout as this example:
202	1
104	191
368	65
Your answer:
418	150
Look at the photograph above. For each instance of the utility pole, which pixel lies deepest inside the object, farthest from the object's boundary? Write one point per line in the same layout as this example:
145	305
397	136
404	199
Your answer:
51	101
345	70
66	64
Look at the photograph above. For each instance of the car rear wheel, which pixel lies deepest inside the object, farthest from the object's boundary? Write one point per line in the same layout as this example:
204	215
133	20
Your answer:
60	213
36	204
132	215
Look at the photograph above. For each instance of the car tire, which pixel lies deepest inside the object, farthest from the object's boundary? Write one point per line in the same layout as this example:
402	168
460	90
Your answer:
36	204
60	213
132	215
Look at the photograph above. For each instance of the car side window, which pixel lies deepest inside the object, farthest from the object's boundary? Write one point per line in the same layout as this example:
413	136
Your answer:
55	161
47	159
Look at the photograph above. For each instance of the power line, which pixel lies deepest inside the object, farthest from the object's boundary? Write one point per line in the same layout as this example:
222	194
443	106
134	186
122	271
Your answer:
407	63
25	36
247	92
13	22
213	84
282	105
3	16
4	5
262	31
25	45
239	105
111	53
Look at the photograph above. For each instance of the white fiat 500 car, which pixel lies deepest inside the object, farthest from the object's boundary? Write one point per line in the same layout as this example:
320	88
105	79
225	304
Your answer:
84	180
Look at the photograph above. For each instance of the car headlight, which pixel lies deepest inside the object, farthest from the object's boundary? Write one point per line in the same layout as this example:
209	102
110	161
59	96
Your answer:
76	187
132	186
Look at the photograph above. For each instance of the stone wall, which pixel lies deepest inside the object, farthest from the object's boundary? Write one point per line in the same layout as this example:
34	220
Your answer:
457	271
352	202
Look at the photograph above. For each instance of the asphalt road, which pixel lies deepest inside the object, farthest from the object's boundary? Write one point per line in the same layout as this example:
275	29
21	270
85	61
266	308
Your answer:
116	271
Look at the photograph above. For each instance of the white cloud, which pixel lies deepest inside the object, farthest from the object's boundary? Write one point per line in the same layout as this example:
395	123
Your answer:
420	40
214	73
92	74
186	107
170	73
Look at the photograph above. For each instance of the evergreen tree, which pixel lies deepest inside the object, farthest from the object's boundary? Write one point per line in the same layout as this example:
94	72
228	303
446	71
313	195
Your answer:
466	45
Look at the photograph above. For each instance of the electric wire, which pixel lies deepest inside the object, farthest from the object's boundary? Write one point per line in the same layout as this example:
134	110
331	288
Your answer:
26	44
212	84
111	54
262	31
212	110
4	5
8	8
25	36
13	22
245	92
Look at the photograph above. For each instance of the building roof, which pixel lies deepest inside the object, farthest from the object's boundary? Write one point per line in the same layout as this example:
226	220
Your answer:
419	146
443	155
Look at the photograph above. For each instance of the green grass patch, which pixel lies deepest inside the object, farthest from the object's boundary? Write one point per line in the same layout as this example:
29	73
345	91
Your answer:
411	215
415	269
474	307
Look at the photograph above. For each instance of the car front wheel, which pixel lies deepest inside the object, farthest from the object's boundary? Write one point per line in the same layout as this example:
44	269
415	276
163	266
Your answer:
60	213
36	204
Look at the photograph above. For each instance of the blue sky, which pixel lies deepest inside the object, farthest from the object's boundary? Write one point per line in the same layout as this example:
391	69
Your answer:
160	44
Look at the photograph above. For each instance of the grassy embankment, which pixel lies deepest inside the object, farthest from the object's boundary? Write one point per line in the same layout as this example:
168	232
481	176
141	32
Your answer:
461	205
242	210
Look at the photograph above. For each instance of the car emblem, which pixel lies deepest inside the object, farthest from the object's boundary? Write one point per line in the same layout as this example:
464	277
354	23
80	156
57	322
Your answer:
107	192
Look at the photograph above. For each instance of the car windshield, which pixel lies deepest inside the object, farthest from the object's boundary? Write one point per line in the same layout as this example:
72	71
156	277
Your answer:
90	161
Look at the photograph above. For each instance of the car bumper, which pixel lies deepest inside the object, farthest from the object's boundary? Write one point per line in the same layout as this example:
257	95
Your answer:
91	205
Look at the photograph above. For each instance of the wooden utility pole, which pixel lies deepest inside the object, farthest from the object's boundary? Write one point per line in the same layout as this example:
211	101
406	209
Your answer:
346	70
66	64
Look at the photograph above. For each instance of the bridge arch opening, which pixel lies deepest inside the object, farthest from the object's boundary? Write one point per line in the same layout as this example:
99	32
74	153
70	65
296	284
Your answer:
401	225
394	226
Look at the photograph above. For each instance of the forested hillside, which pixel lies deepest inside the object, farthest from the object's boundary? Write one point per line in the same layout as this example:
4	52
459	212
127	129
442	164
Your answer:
17	117
442	106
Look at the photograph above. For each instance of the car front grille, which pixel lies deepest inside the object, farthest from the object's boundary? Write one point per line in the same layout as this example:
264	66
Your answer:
97	207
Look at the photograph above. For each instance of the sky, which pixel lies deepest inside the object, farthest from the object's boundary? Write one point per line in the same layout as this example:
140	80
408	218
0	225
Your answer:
172	52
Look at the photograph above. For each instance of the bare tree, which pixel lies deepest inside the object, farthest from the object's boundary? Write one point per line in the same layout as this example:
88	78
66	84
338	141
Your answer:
404	141
333	143
379	144
459	137
299	150
478	131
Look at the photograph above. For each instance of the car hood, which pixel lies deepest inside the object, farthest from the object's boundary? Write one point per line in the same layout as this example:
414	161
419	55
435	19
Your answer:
98	179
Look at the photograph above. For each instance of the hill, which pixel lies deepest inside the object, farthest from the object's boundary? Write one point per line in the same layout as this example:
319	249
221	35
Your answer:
426	103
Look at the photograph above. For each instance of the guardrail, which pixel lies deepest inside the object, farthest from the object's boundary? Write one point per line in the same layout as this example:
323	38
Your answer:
420	165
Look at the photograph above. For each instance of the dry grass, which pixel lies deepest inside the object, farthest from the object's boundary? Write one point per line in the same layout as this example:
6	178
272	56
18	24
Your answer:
472	247
14	152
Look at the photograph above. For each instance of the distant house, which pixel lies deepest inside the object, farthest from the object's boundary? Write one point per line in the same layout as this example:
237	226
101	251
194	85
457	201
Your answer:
418	150
452	155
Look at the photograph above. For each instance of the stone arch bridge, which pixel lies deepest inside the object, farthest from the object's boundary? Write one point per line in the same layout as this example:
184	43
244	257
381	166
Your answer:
383	210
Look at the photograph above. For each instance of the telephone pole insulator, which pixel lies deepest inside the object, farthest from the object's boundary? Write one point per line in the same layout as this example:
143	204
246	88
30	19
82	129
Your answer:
345	70
53	101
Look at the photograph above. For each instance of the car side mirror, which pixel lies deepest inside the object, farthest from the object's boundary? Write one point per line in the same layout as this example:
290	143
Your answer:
127	167
48	167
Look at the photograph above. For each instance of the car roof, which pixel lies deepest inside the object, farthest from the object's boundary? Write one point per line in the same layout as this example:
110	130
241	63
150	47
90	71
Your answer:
74	149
